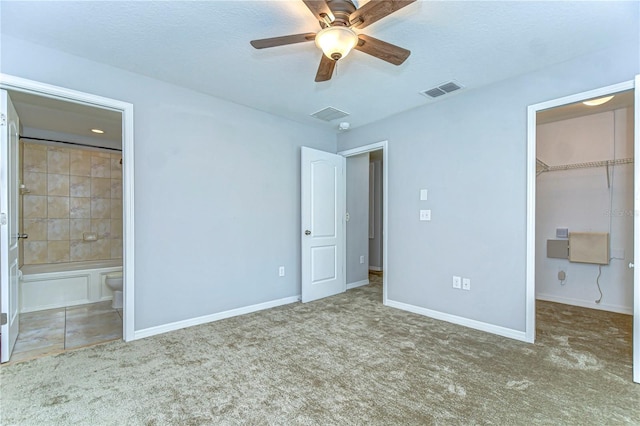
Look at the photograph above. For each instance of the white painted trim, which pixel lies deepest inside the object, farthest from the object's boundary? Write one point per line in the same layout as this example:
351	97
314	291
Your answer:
636	237
384	146
585	304
18	84
530	321
375	268
364	149
530	283
356	284
454	319
128	252
165	328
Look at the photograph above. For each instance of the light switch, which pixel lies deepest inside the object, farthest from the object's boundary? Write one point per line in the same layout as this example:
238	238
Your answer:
425	214
423	195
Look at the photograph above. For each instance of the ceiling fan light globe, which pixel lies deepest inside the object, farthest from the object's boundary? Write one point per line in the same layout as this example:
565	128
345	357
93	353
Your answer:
336	42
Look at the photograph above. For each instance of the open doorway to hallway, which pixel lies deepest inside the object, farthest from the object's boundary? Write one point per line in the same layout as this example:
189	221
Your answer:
365	219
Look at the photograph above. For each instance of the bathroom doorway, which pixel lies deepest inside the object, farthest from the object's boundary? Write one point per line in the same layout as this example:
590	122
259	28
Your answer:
75	203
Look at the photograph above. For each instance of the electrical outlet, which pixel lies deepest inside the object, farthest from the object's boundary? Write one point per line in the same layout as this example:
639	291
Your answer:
425	214
281	271
466	283
457	282
361	259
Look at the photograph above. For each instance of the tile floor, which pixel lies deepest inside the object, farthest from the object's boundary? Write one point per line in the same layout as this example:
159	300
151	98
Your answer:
56	330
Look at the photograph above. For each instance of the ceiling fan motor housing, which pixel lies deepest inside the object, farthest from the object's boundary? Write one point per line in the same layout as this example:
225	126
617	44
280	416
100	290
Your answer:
341	10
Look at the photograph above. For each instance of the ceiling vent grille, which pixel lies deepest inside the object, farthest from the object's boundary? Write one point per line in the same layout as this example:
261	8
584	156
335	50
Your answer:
442	89
329	114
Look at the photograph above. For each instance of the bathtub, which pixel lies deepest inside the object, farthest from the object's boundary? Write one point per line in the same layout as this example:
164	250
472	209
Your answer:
59	285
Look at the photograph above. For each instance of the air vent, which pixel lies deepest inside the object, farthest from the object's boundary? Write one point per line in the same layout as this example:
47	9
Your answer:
443	89
329	114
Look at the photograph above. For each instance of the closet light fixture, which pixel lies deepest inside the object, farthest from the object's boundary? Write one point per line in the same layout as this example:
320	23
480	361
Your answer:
598	101
98	131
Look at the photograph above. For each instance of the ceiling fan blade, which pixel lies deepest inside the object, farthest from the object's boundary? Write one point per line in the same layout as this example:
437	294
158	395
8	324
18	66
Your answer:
319	8
283	40
325	70
381	49
376	10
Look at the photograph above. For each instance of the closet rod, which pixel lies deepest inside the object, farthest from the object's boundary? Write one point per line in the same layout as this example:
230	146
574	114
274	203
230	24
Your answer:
605	163
69	143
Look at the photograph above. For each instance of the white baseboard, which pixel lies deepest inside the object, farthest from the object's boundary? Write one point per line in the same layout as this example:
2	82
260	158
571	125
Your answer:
478	325
375	268
585	304
152	331
357	284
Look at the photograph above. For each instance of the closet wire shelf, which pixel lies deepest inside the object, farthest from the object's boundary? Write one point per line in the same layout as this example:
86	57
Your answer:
542	167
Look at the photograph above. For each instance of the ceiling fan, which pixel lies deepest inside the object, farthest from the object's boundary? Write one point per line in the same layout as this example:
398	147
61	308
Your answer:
338	18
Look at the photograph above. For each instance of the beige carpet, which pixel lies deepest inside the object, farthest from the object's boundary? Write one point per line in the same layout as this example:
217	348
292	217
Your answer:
343	360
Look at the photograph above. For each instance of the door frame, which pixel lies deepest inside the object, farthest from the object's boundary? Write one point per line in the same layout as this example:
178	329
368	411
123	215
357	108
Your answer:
384	146
530	325
12	83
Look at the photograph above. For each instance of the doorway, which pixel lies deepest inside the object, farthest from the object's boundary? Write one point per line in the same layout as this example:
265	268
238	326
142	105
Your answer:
24	89
589	240
366	241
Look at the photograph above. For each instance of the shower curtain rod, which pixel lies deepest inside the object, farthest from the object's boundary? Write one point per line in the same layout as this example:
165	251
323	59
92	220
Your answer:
69	143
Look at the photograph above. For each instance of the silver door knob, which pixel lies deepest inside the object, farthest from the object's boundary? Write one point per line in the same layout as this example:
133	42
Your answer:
307	232
23	236
631	265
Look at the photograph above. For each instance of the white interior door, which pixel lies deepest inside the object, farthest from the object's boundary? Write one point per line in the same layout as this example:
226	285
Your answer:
8	225
636	238
323	224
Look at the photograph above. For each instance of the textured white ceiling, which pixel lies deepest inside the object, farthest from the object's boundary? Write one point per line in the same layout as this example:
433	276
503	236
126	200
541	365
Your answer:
62	117
205	46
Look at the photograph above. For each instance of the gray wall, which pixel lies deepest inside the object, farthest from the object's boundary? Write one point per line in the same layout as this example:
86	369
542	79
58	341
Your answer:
375	243
217	193
358	226
469	151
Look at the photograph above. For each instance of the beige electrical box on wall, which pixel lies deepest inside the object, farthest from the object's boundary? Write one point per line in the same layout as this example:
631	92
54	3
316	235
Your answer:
589	247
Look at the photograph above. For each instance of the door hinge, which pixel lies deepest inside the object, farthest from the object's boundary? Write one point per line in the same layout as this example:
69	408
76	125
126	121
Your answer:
3	319
3	218
3	120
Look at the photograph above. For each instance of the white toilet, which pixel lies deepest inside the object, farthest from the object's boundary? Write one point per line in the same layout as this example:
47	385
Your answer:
114	282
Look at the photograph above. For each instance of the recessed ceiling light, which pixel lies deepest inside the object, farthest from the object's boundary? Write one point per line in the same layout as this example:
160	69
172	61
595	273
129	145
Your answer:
599	101
97	131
